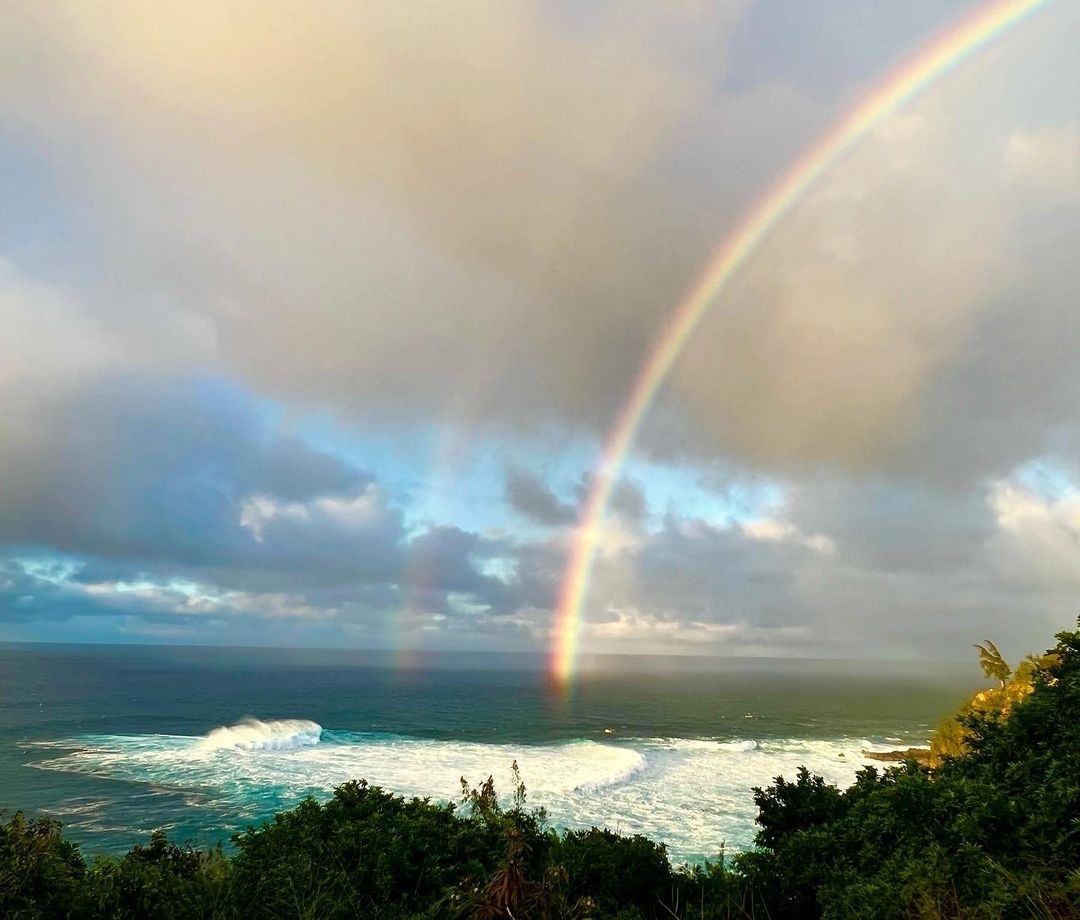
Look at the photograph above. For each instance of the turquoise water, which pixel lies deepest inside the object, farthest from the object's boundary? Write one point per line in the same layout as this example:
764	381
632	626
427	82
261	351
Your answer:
118	741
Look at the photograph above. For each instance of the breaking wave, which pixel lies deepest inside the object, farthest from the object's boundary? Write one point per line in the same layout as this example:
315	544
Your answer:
255	735
633	767
692	793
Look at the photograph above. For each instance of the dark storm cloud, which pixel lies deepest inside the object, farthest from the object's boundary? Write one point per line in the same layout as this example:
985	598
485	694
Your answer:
530	497
628	500
534	499
690	571
43	591
132	465
134	480
448	557
152	498
291	471
895	527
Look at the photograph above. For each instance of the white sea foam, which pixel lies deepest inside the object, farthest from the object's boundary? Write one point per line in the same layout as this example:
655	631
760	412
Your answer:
692	793
738	745
632	767
255	735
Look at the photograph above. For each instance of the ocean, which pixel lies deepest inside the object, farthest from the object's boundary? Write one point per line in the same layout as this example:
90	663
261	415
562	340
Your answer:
117	741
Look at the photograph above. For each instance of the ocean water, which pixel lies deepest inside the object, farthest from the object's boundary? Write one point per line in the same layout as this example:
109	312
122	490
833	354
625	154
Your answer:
203	742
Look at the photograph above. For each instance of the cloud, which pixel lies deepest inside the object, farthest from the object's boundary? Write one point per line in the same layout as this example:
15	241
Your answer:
48	339
1047	161
839	569
1038	543
848	569
825	351
472	226
486	214
487	190
151	467
893	527
628	501
530	497
150	480
184	501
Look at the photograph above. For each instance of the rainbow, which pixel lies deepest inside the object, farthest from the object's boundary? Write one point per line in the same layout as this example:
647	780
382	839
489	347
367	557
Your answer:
941	55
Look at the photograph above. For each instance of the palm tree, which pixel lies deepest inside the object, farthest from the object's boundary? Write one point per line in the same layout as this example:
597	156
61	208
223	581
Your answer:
992	663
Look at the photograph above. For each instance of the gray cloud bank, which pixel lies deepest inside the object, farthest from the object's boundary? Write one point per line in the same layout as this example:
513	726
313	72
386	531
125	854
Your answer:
488	211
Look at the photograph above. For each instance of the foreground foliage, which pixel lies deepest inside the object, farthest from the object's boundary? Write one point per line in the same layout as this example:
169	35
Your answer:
991	831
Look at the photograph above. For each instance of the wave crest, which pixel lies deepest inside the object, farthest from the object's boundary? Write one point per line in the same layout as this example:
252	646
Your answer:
630	764
256	735
740	746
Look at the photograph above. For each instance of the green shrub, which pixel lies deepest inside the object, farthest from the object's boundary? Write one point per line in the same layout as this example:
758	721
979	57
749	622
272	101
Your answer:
41	873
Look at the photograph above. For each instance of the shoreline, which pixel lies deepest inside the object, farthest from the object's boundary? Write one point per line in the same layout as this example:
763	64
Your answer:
918	754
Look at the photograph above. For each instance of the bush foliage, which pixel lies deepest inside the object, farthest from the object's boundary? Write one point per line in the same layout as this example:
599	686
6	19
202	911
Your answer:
990	830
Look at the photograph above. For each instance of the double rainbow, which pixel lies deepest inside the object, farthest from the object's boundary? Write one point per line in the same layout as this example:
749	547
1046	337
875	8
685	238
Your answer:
942	54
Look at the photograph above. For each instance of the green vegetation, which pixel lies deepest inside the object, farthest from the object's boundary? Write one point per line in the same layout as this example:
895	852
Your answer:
992	662
991	830
953	734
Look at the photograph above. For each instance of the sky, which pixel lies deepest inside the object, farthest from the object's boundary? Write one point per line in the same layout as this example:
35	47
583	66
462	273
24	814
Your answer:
313	320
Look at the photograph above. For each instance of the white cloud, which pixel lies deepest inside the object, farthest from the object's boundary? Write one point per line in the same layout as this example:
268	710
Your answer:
1039	539
1047	161
357	512
47	336
772	530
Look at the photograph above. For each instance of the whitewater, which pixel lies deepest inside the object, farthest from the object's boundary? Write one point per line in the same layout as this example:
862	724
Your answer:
120	741
693	794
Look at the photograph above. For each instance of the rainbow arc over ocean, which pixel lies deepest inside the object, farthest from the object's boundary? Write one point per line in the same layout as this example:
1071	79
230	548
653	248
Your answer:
939	56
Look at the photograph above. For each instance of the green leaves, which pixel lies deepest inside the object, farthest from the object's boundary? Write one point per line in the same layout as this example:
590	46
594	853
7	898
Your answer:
993	665
40	872
992	831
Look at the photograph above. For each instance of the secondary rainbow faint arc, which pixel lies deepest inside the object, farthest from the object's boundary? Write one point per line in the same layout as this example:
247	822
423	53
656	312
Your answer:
932	61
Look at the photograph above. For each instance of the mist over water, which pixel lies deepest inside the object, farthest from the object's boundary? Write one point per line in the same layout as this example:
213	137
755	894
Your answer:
119	741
